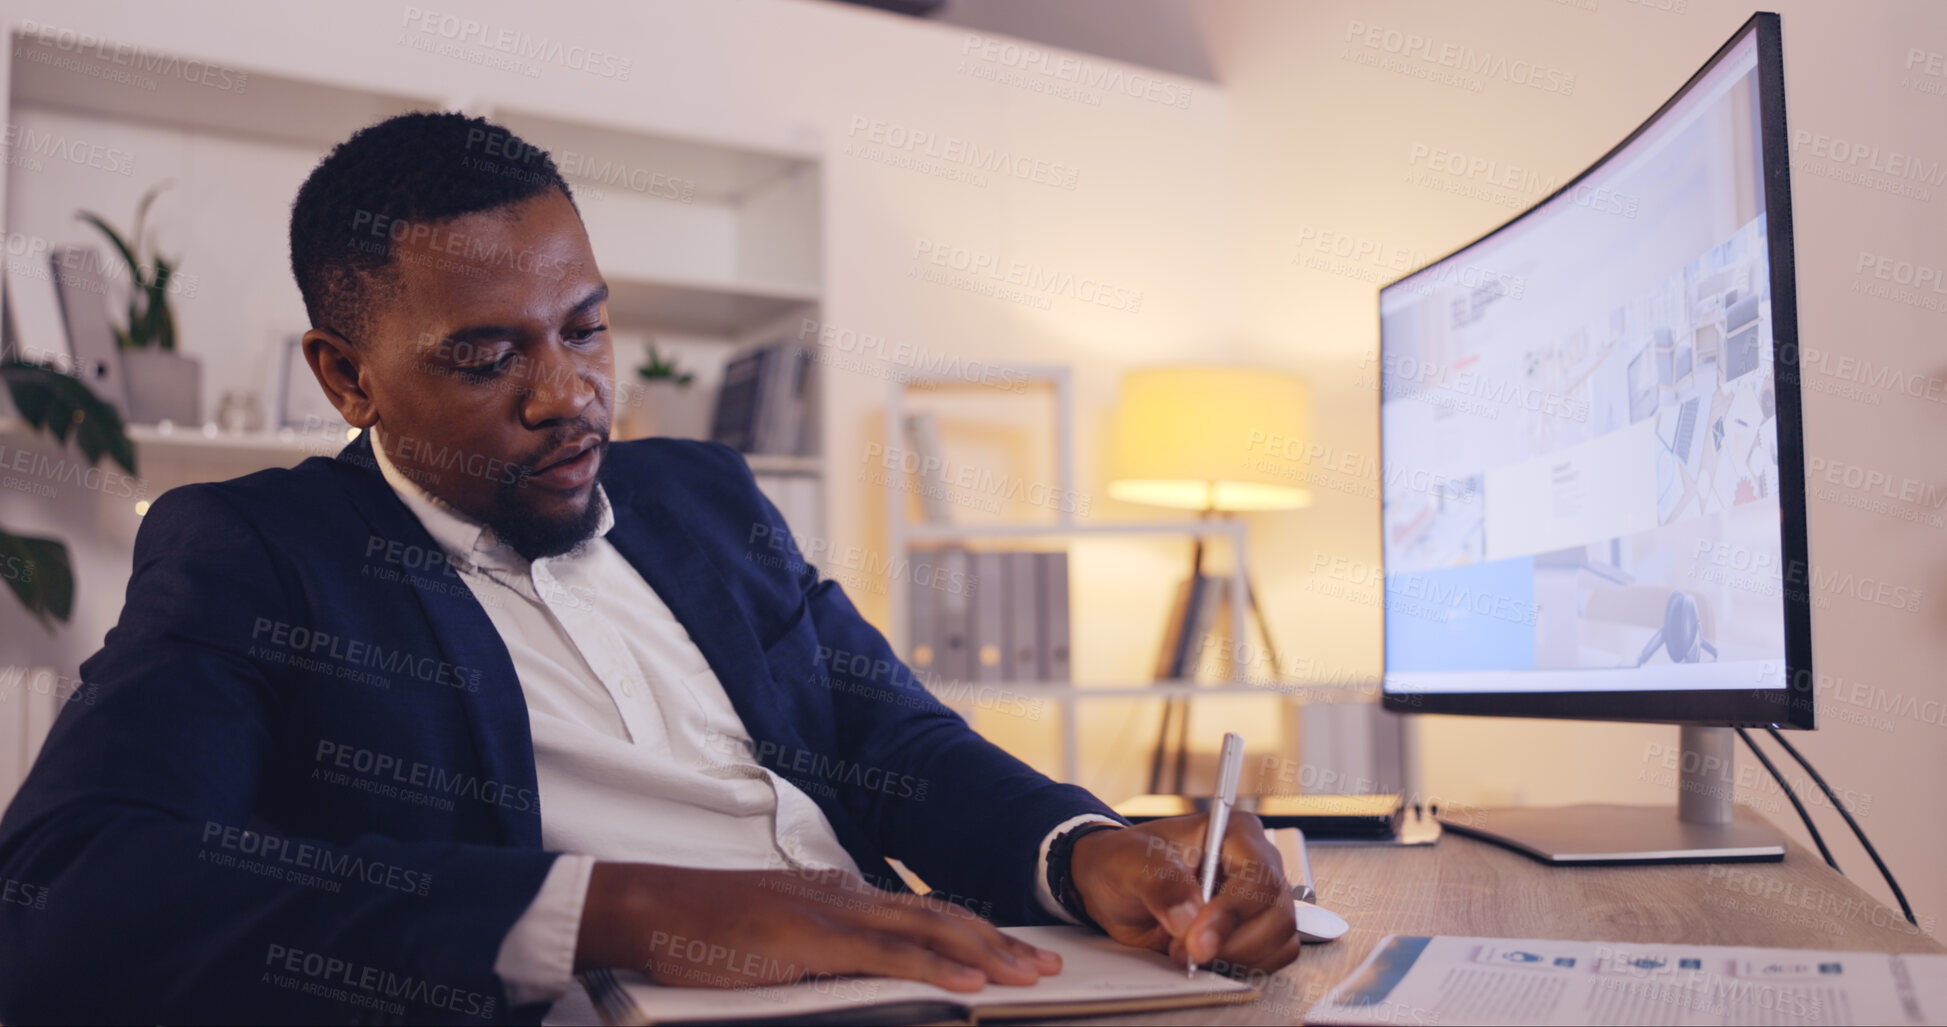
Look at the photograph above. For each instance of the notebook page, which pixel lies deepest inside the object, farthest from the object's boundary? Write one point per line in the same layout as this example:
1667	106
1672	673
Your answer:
1094	969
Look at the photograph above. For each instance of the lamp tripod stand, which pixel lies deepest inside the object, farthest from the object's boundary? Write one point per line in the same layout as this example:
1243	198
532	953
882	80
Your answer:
1176	708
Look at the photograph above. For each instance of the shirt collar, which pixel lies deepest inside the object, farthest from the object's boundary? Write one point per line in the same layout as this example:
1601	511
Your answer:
462	537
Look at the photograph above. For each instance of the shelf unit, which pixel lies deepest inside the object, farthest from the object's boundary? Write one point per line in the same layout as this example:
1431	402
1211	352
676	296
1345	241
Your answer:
905	537
708	244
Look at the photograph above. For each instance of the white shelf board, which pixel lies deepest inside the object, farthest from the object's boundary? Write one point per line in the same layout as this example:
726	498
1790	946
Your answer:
177	443
1158	690
776	463
956	532
702	308
1043	374
150	438
268	106
620	159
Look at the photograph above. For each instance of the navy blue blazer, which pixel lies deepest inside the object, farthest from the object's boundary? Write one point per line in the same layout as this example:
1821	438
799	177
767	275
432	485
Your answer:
298	784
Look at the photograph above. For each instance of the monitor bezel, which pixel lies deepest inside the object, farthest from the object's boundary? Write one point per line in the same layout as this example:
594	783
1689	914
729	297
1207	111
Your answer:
1797	701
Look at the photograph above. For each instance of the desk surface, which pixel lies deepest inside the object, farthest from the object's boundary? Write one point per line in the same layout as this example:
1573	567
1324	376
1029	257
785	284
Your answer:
1462	886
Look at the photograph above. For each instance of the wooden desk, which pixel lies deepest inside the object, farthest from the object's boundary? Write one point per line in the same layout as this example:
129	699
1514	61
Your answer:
1466	887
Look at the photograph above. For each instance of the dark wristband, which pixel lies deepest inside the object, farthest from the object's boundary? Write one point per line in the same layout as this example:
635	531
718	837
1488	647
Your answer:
1061	879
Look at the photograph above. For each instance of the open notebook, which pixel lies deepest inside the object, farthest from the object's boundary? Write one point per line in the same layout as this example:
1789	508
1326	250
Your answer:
1098	976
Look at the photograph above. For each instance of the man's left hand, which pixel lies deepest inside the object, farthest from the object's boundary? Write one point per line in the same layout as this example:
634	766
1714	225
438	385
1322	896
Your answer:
1142	884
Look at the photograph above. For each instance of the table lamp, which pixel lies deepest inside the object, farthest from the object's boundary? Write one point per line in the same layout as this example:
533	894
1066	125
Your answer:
1211	439
1215	440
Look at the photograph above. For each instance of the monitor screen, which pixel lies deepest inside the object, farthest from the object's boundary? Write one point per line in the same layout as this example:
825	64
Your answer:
1580	434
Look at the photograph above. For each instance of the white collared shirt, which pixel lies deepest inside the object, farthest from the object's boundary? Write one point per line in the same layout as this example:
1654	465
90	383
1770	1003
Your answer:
639	755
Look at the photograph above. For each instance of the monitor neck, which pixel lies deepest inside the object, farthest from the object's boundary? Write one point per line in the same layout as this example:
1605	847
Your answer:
1706	786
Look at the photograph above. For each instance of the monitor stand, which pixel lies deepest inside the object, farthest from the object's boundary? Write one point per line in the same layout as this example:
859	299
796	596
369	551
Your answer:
1706	827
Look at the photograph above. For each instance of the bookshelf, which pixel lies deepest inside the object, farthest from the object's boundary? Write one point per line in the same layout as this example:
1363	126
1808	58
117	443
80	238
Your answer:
709	244
905	538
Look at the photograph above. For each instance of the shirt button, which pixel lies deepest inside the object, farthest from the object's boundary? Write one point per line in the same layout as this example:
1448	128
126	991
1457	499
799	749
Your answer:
628	687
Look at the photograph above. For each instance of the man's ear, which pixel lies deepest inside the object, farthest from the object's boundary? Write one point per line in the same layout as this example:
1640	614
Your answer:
335	362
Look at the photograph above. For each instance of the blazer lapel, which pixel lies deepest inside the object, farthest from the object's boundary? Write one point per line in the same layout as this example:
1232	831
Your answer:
497	712
662	550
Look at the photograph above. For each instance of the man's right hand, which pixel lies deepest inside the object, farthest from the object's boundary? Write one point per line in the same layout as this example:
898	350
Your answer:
736	928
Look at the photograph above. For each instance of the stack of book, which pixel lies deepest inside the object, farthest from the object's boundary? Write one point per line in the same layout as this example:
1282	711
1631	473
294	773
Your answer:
762	406
990	616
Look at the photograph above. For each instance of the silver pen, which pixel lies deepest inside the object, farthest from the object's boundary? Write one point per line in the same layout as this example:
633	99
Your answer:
1230	765
1304	890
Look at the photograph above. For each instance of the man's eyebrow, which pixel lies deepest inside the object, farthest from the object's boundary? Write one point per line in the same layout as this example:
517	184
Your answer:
595	298
489	332
481	333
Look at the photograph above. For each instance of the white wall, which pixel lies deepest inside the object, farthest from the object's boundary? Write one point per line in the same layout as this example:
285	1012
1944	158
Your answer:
1323	145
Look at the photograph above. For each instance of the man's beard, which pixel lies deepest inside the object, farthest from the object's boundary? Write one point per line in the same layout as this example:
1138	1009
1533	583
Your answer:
534	535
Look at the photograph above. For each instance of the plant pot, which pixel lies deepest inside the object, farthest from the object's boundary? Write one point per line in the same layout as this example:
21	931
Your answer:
661	408
163	386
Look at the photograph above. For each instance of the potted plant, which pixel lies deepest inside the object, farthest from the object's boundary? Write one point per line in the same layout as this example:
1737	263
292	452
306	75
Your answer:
661	402
163	385
37	569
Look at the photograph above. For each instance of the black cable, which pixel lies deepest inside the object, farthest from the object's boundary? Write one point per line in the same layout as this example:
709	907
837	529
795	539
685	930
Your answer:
1854	824
1786	787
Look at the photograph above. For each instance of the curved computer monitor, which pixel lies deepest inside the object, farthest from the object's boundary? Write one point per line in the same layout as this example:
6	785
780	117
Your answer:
1593	485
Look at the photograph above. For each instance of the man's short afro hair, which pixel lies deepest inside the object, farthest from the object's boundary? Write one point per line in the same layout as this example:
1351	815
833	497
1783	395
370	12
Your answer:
421	169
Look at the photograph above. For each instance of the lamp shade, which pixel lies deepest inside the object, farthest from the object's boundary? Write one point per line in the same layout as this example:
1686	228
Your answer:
1211	438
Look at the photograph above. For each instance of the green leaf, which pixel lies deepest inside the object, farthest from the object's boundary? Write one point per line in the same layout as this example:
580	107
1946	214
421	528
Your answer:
40	574
128	255
658	369
57	403
132	338
142	209
150	322
160	325
38	570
